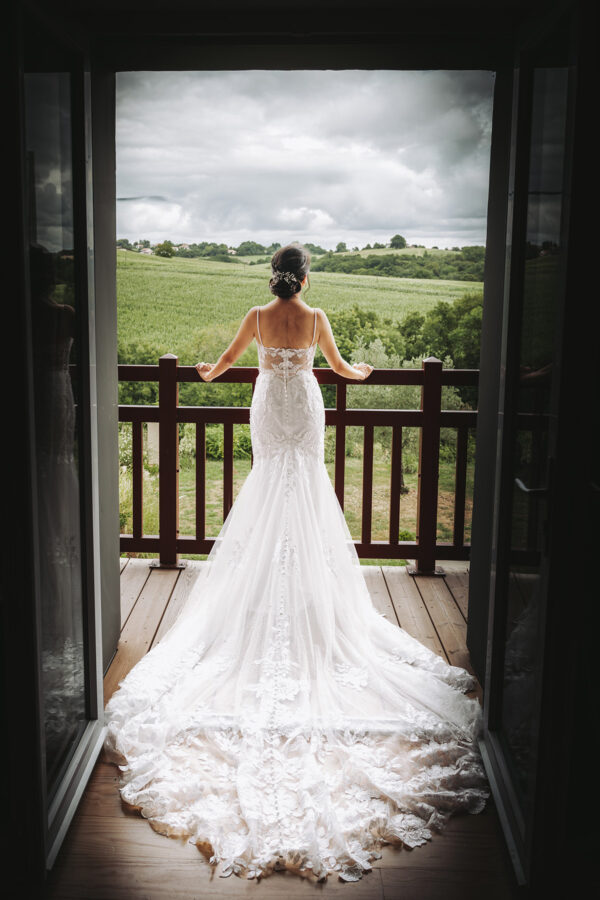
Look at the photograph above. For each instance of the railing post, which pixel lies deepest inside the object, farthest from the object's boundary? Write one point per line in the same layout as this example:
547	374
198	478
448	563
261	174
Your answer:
168	464
429	457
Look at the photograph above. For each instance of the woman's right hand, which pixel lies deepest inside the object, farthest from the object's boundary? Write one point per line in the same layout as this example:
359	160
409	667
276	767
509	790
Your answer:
364	368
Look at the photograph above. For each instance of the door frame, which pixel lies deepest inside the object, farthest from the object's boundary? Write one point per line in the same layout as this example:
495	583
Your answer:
54	814
523	835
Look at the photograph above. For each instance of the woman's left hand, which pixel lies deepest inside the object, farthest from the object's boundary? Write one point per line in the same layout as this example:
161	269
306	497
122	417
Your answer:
203	369
364	368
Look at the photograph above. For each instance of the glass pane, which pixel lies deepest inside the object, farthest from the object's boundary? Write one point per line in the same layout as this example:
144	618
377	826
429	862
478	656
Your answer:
540	294
57	376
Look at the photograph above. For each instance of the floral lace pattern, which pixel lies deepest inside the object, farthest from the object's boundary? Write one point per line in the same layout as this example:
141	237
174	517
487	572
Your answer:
282	721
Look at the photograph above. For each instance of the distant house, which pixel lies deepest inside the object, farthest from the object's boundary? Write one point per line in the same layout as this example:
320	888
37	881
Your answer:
147	251
183	246
231	251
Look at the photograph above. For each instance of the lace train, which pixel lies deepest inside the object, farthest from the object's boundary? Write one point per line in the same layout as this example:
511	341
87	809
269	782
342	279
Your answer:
282	721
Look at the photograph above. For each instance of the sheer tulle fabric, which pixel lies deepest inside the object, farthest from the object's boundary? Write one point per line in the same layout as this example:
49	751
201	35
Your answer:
282	721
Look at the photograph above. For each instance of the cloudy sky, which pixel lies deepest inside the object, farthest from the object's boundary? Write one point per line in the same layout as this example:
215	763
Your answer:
321	156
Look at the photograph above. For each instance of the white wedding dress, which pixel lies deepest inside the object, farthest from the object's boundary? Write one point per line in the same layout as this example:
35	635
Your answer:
282	721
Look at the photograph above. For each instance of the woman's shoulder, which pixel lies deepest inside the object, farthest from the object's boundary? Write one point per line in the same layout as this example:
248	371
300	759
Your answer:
254	309
268	305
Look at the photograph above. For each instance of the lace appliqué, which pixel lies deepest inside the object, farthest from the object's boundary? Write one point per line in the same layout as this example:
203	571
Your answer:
351	676
286	361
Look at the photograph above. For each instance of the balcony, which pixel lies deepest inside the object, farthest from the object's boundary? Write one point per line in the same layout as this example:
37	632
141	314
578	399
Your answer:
433	609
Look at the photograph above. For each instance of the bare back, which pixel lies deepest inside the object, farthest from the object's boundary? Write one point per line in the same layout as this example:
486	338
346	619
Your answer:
284	323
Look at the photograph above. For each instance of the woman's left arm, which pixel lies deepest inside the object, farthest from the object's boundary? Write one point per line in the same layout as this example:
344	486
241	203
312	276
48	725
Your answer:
234	351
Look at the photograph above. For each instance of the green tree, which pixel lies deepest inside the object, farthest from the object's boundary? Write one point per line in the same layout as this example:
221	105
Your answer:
397	396
250	248
398	242
341	247
166	248
124	244
315	248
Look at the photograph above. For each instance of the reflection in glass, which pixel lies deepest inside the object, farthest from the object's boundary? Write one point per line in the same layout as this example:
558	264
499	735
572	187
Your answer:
525	608
54	331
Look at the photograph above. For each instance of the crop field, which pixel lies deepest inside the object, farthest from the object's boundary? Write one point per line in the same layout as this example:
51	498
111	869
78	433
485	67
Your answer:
192	307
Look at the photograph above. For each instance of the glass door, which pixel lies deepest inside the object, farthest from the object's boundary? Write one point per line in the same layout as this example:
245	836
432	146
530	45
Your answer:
58	201
534	305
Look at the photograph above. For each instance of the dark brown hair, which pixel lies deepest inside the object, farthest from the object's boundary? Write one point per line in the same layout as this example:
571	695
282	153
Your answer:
293	262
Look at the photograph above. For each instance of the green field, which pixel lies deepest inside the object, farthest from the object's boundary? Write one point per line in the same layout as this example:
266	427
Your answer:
192	307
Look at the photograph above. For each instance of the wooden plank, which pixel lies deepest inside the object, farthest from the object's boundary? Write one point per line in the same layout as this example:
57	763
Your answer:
446	616
132	581
123	560
124	859
458	585
101	796
201	480
141	626
472	841
448	882
410	609
181	592
380	595
168	458
449	623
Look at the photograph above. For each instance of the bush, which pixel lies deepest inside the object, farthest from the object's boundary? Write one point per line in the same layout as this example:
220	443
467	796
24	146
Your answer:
242	444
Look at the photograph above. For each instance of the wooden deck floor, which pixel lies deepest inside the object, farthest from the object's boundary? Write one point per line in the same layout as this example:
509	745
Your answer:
111	853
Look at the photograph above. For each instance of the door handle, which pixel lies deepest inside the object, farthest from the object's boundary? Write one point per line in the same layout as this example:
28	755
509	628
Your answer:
534	492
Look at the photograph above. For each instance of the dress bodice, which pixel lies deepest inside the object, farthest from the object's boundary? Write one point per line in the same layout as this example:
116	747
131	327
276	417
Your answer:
285	361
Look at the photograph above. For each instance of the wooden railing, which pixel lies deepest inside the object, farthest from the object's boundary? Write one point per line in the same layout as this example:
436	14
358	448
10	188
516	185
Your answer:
430	418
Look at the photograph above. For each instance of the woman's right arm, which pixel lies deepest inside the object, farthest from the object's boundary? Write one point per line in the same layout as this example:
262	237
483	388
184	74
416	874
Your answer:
326	341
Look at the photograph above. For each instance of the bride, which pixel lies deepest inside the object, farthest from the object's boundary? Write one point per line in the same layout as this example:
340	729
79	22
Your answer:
282	722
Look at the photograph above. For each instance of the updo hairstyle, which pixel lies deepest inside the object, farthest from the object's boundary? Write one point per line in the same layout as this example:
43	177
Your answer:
289	264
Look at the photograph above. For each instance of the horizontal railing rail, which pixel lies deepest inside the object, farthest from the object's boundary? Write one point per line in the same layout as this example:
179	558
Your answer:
430	418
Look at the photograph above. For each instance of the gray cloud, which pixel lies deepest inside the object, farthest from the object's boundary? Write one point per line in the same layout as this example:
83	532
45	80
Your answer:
320	156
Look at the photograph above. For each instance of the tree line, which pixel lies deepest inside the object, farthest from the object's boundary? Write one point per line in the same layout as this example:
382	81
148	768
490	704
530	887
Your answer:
464	265
223	253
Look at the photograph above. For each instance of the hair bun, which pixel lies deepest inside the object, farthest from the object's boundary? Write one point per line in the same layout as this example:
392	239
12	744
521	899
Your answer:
289	266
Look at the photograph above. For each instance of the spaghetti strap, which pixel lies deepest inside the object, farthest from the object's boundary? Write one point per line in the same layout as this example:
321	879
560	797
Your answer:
258	326
314	329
